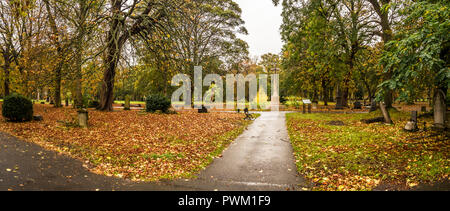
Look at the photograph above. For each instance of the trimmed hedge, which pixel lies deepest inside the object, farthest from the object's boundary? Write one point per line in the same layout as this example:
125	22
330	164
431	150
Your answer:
157	102
17	108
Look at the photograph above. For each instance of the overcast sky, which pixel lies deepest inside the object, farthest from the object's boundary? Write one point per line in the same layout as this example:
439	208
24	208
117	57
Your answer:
262	20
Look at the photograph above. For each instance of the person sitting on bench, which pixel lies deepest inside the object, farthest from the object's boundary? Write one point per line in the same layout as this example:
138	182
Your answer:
248	115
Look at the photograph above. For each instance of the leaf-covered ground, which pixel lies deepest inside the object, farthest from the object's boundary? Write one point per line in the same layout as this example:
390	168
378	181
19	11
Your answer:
133	144
358	156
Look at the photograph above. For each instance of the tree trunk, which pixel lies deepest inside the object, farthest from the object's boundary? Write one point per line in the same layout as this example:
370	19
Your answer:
107	94
386	35
325	93
342	98
345	94
58	68
6	80
78	87
114	49
57	94
339	98
79	54
388	98
369	91
387	117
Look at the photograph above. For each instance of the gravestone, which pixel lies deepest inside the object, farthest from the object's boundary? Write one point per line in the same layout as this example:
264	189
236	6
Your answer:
411	125
83	118
447	117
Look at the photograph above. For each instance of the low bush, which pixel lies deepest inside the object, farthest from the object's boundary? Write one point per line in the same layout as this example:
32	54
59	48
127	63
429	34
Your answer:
17	108
157	102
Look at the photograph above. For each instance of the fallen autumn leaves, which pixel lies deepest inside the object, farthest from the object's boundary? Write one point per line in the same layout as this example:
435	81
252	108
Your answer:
131	144
358	156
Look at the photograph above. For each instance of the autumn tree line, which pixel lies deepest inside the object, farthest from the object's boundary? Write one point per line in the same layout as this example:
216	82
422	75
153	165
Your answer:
106	49
383	50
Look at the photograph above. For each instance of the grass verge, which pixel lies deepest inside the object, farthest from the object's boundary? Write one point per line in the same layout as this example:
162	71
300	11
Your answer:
358	156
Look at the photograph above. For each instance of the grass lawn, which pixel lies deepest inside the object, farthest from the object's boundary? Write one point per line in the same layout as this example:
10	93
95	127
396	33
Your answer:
358	156
131	144
131	102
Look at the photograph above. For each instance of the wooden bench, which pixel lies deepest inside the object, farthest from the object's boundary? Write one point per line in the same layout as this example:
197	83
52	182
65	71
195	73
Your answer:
248	115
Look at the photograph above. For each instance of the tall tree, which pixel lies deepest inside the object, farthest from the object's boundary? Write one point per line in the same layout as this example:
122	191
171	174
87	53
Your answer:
271	63
419	53
19	25
127	19
387	12
324	38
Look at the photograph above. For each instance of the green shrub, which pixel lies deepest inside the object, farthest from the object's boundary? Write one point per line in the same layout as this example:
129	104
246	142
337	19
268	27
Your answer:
157	102
93	104
17	108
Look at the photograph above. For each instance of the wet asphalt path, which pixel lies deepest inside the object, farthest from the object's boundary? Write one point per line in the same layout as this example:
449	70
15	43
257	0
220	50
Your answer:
260	159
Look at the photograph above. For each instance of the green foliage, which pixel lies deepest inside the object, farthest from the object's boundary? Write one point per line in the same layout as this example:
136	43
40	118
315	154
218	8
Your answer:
17	108
93	104
419	55
157	102
323	41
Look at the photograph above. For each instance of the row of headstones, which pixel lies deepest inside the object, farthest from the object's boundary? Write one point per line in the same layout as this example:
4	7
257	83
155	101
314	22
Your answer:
413	124
356	105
